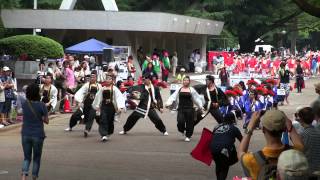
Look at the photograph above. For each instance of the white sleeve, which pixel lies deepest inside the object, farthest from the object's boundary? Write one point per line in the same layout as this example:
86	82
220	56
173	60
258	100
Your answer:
119	98
54	96
79	96
196	98
172	98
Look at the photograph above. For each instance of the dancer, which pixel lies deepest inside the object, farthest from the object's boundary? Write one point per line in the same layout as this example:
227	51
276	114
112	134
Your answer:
186	97
108	101
85	96
49	93
150	100
214	98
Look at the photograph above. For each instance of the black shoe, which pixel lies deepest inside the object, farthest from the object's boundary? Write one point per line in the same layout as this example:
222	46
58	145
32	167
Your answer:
85	133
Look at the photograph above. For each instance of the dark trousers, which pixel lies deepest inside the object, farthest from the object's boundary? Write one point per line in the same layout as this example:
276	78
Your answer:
215	112
222	168
135	116
90	118
63	93
191	66
106	125
185	120
31	145
299	82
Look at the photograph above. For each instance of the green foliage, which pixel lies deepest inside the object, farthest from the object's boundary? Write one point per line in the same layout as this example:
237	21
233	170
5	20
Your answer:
34	46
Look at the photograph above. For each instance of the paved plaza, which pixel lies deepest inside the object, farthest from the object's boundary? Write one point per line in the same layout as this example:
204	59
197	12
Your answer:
142	154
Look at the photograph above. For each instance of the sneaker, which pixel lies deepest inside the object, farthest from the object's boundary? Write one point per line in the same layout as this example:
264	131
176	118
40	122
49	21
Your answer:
187	139
86	133
1	126
68	129
104	138
165	133
122	132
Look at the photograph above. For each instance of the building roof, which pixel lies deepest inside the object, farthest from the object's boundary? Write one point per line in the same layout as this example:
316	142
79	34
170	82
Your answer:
106	20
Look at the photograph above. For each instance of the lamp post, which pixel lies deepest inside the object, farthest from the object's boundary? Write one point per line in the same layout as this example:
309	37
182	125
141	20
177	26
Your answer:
35	6
283	32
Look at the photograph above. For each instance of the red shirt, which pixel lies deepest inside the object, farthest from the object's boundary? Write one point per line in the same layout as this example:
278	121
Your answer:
252	62
276	63
291	63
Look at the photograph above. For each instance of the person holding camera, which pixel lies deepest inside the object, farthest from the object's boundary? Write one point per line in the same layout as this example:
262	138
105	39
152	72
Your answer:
35	114
222	146
274	123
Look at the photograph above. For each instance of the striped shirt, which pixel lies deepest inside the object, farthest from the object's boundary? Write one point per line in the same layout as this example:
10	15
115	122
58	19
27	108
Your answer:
311	141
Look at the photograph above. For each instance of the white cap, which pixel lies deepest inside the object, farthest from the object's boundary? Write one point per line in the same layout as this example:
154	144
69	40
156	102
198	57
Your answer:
86	57
6	68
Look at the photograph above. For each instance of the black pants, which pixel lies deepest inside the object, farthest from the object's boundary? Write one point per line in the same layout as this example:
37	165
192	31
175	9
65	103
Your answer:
106	126
75	118
222	168
191	66
215	112
90	118
185	120
135	116
299	82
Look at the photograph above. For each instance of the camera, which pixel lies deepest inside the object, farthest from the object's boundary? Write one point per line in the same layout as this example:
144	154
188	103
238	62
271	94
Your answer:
262	112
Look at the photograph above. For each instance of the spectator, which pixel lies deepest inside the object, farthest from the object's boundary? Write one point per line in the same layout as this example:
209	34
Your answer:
50	69
299	76
131	68
224	77
174	63
34	115
222	146
150	70
316	104
311	138
181	75
41	73
9	87
292	165
274	122
192	61
59	82
284	76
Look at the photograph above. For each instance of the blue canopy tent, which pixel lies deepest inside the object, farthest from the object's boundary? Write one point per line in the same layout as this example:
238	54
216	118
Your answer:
91	46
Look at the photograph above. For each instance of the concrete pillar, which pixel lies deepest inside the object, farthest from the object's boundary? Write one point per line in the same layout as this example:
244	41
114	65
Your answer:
203	49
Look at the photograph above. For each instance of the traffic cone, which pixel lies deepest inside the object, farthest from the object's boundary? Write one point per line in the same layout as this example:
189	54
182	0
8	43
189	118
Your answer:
66	107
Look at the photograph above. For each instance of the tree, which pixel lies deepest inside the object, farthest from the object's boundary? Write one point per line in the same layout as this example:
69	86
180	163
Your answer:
35	47
311	7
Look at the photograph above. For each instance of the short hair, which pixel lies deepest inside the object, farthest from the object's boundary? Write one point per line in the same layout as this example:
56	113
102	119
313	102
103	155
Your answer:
275	134
210	78
229	118
33	92
187	77
306	115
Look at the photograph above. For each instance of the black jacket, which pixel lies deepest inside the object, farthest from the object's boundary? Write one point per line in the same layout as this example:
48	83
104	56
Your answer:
222	98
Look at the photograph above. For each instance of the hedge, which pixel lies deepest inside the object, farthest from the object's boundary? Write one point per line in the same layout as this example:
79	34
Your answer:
35	47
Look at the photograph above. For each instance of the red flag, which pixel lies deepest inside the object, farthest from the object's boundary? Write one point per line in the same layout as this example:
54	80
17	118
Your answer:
202	151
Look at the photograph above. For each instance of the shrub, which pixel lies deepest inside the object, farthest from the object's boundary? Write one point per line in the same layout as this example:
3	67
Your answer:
34	47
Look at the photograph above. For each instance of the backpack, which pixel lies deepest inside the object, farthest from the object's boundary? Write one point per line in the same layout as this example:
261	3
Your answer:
268	170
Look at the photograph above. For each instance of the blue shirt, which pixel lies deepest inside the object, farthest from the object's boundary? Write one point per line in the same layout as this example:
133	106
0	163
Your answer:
33	124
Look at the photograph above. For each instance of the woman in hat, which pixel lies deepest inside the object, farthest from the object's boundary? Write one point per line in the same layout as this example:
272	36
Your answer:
186	97
108	101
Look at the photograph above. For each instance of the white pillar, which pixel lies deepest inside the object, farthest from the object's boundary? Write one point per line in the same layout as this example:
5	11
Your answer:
35	6
203	49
